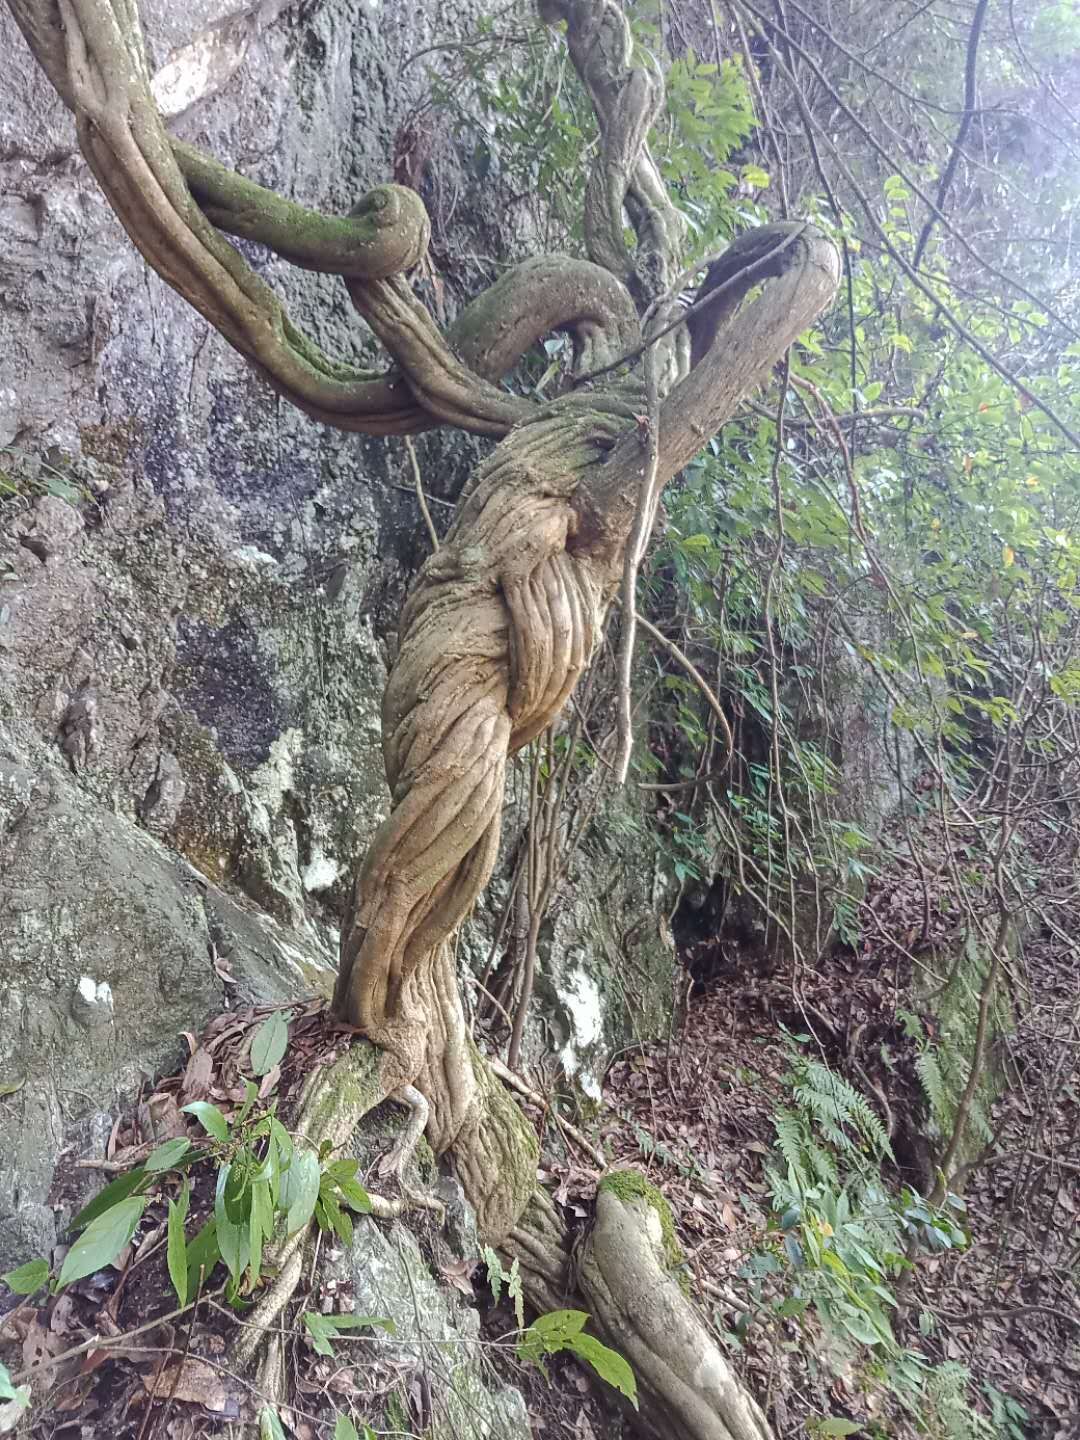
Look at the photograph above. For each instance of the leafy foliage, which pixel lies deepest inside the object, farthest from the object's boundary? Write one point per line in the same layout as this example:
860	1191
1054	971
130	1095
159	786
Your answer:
842	1239
561	1330
498	1277
266	1186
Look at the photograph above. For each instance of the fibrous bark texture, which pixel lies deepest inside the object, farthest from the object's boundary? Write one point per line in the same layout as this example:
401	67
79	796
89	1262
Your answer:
503	619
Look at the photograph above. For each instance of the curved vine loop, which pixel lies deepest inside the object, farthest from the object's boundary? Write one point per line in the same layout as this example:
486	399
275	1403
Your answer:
627	92
175	203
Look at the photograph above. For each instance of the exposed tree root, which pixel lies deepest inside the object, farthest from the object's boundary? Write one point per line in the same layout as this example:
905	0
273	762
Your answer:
688	1390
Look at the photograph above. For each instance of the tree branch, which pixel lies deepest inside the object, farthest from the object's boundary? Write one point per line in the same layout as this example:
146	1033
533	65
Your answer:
970	78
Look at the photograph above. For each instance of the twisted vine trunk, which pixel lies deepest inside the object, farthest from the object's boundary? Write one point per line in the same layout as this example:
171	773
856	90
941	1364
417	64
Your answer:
503	619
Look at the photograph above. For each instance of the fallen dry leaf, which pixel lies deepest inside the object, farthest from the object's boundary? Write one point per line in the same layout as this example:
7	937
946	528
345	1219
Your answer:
198	1073
457	1274
192	1381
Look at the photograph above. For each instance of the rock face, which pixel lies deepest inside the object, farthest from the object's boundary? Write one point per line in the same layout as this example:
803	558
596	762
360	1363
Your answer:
199	589
111	947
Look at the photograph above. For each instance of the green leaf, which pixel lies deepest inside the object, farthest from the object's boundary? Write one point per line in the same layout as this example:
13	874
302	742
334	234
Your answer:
210	1118
793	1305
836	1426
495	1272
860	1326
330	1215
355	1196
344	1429
300	1190
203	1253
62	489
176	1249
232	1242
269	1041
103	1239
608	1364
251	1094
168	1155
232	1209
560	1324
269	1424
321	1333
325	1328
116	1190
17	1395
27	1278
260	1224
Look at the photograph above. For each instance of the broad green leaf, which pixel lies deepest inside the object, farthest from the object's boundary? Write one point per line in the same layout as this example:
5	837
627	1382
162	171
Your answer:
355	1196
27	1278
103	1239
251	1094
344	1429
281	1138
176	1248
269	1041
203	1253
210	1118
325	1328
17	1396
260	1224
608	1364
793	1305
330	1215
861	1326
232	1242
560	1323
269	1425
116	1190
233	1192
232	1211
300	1190
339	1170
321	1333
168	1155
836	1426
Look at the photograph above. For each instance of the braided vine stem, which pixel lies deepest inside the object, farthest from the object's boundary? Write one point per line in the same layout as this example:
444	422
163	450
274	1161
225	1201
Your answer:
503	619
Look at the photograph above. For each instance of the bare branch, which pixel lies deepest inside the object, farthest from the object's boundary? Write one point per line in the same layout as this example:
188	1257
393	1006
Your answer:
970	76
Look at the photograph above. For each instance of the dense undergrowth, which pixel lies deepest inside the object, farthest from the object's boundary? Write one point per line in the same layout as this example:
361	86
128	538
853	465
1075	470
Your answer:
875	570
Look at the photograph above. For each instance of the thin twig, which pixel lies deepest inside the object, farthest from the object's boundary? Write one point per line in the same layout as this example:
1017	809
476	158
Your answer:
511	1078
420	496
706	690
970	77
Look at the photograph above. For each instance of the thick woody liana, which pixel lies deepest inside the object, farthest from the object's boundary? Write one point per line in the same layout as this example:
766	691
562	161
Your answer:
502	620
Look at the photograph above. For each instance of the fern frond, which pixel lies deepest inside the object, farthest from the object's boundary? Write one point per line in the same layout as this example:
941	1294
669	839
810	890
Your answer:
833	1098
928	1069
791	1137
